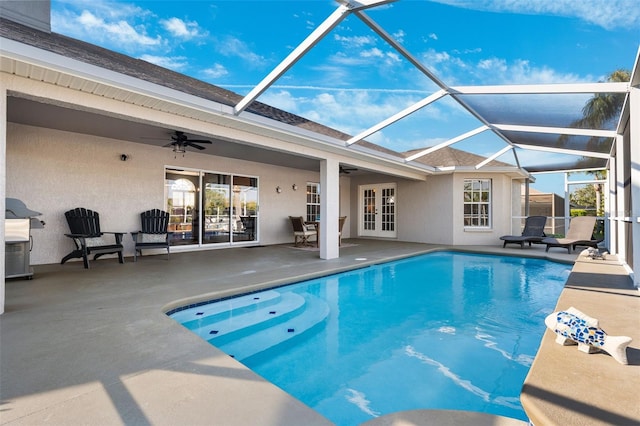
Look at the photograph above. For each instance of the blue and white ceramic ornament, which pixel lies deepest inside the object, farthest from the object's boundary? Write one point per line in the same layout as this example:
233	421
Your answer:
573	326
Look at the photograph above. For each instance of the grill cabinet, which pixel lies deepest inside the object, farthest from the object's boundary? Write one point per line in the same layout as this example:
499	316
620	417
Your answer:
19	220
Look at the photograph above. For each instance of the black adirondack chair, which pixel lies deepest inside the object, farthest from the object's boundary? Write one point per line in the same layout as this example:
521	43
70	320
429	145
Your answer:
84	225
153	233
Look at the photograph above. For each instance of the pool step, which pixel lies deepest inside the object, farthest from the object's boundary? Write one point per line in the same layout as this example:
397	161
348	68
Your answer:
195	318
315	311
240	324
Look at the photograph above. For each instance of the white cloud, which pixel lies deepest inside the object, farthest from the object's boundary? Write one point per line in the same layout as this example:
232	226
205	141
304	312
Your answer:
454	70
120	30
179	28
216	71
399	36
232	46
104	23
375	52
176	63
355	42
608	14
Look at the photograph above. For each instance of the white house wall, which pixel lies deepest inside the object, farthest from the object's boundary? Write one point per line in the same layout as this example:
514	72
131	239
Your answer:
440	203
424	210
54	171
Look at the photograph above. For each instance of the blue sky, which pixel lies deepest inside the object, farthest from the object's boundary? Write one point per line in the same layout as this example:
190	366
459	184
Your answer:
352	79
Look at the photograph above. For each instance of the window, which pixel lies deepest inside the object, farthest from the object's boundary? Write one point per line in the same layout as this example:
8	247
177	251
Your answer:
313	201
224	211
477	203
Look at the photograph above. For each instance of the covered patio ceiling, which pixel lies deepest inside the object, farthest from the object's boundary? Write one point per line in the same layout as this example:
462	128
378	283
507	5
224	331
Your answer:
526	118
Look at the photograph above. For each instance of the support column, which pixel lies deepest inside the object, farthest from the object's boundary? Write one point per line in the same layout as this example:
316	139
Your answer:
609	197
3	181
527	207
567	203
621	238
329	208
634	159
611	208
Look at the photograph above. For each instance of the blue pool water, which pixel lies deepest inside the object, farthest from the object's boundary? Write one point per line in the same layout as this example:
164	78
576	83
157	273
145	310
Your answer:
438	331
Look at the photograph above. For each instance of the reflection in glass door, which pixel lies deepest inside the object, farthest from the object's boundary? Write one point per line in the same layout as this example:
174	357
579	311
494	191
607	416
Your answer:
245	208
215	200
181	194
229	205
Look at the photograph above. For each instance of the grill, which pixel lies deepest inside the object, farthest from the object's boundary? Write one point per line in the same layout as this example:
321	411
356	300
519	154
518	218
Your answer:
19	220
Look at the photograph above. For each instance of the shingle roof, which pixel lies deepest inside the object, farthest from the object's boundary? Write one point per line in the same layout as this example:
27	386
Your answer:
451	157
117	62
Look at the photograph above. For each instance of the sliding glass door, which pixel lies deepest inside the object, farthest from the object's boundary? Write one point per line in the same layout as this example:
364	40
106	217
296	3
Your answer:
211	208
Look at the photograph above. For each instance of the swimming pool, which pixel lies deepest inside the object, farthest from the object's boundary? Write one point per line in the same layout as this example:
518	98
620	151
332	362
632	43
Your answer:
443	330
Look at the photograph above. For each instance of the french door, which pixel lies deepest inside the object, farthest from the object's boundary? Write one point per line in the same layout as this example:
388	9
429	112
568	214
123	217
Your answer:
211	208
377	210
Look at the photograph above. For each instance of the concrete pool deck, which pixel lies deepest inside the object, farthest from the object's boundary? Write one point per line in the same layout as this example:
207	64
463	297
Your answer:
95	347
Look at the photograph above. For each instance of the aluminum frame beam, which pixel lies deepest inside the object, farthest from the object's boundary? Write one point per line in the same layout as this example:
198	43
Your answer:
563	151
447	143
533	89
307	44
556	130
400	115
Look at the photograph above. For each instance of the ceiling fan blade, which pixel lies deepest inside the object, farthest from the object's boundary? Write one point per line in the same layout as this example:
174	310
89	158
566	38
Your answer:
347	170
189	143
198	140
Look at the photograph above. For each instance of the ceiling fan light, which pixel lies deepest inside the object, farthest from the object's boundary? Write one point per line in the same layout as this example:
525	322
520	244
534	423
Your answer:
178	149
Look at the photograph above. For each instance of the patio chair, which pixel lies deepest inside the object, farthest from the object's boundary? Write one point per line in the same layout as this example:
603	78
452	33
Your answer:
84	225
341	221
154	232
301	233
249	225
580	233
533	232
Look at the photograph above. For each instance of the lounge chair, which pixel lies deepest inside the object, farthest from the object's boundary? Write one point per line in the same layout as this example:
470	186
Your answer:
153	233
533	232
580	233
301	233
84	225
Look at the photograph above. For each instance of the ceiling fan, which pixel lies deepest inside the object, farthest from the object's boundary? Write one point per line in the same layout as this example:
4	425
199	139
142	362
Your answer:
181	142
347	170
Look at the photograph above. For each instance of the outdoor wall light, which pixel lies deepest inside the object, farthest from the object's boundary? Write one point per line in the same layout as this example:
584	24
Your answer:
294	187
278	189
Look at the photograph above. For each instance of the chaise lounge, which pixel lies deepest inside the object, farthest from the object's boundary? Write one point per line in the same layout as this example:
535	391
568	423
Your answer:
533	232
580	233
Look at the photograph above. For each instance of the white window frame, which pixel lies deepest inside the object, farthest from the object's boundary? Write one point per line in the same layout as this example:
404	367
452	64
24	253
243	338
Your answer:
313	202
479	199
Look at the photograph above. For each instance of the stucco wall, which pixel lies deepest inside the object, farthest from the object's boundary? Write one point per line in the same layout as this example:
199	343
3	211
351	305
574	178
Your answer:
54	171
440	204
431	211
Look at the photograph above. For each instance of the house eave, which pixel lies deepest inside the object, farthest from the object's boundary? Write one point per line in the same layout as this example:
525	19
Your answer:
513	172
